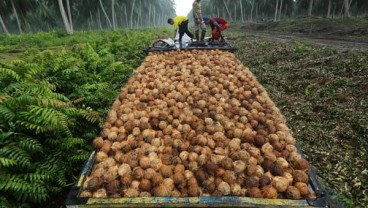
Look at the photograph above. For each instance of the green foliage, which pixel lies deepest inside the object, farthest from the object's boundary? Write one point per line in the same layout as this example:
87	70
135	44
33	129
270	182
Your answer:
52	104
35	122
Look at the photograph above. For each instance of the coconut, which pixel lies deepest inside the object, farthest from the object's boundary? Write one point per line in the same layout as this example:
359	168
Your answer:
224	188
162	191
100	193
300	176
131	193
280	183
269	192
292	193
302	187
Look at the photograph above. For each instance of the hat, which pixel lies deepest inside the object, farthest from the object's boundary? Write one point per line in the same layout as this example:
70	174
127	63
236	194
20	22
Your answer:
205	19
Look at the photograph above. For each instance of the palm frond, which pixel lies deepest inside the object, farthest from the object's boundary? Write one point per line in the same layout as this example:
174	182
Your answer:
41	116
6	113
9	73
91	116
13	152
72	142
30	144
6	162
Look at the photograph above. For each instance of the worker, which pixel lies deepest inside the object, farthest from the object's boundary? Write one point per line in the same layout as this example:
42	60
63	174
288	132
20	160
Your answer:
199	24
218	25
181	23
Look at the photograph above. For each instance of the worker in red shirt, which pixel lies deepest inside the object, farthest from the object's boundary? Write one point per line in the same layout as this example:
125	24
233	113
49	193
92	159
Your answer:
218	25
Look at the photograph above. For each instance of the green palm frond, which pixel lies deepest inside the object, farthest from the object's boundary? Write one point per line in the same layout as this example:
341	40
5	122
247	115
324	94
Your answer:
96	86
13	152
34	127
47	84
69	71
30	144
81	156
9	73
47	117
91	116
6	162
6	113
112	68
33	70
20	101
4	202
35	177
25	190
5	137
4	97
72	142
51	102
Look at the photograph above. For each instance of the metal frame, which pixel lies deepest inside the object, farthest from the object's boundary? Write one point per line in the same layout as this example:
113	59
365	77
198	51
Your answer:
74	201
206	45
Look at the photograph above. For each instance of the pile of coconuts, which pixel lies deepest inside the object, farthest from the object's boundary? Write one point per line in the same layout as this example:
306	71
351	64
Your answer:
196	123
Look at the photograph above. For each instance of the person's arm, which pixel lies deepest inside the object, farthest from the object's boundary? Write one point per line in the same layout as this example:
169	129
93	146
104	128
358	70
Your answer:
217	26
175	32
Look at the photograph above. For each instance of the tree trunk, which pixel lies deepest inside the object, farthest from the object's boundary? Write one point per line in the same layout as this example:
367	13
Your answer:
131	14
65	18
92	21
280	11
140	14
3	26
69	16
310	8
251	11
342	9
347	8
126	17
107	17
154	16
149	16
329	9
113	14
241	10
235	17
99	19
276	9
16	17
227	9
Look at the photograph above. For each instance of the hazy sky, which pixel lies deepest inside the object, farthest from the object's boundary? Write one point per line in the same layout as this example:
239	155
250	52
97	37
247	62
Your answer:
183	7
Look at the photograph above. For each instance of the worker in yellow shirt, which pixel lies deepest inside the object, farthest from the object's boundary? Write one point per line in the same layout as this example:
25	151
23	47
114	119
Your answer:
181	23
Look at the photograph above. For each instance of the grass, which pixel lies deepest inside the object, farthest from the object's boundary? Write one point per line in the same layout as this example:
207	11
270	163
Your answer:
7	57
42	40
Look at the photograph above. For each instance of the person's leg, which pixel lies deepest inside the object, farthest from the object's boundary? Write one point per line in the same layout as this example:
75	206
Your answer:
185	25
203	28
181	31
215	34
197	27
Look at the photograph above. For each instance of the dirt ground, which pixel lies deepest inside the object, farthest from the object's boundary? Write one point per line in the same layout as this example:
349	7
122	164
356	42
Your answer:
323	41
316	79
341	34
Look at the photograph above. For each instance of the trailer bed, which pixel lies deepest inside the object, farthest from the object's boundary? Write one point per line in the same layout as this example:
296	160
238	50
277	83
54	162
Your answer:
74	201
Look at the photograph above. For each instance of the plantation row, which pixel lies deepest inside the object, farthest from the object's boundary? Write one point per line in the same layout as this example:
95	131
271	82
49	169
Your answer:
52	104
